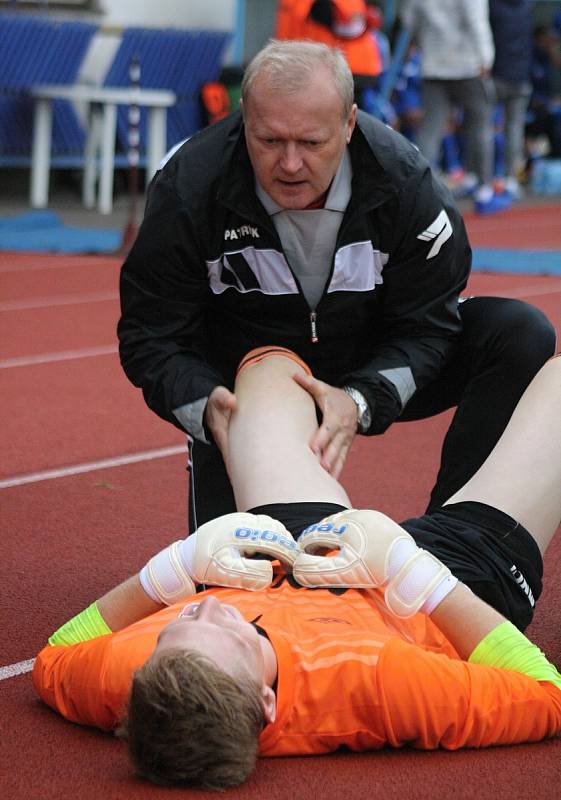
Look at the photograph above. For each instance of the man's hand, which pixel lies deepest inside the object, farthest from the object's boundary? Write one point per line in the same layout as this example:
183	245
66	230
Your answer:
220	405
332	440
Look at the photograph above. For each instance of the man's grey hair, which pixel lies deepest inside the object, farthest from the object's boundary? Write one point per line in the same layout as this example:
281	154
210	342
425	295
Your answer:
290	64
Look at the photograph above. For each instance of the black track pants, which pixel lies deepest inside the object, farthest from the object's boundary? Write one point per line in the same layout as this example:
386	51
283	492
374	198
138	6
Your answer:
504	343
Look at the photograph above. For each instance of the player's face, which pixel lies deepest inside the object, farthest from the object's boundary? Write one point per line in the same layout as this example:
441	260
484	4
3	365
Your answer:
296	140
219	632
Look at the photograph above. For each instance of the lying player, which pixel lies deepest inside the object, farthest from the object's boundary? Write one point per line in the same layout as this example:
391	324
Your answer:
287	670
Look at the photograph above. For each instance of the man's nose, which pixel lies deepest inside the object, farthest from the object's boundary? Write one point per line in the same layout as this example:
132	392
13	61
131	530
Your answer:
208	607
291	160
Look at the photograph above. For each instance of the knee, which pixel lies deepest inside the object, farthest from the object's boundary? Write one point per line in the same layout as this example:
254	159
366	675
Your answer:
527	333
516	332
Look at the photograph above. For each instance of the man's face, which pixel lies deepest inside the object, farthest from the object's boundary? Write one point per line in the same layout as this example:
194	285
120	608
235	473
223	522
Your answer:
296	139
219	632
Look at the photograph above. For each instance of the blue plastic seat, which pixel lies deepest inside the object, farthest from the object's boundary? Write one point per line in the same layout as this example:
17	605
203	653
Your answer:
180	60
34	51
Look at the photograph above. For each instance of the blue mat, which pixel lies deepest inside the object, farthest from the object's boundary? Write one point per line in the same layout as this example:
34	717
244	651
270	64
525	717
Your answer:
529	262
44	232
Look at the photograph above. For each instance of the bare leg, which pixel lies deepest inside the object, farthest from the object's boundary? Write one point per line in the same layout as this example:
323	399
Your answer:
269	459
522	476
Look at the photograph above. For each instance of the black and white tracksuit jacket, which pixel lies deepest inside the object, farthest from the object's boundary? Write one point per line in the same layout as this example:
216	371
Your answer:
206	280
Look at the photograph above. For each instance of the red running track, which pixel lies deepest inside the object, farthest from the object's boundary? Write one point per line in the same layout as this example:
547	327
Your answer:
67	539
527	227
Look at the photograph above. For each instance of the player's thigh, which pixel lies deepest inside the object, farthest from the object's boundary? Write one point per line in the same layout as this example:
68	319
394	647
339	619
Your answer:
523	473
269	458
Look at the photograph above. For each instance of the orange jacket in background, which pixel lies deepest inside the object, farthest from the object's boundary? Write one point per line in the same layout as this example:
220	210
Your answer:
362	53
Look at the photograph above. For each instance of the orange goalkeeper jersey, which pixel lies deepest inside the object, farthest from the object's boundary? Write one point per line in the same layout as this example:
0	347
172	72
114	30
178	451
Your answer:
348	674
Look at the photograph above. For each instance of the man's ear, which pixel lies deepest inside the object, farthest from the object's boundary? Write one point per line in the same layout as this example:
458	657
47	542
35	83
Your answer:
351	122
269	701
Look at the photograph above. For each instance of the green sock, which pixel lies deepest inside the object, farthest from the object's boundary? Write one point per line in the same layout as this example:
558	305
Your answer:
506	647
86	625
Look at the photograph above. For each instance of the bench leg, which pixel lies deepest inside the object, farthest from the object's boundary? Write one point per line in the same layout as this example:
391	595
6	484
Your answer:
156	144
41	153
91	155
105	203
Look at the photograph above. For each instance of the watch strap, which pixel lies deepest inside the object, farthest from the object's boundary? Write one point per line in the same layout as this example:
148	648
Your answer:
364	415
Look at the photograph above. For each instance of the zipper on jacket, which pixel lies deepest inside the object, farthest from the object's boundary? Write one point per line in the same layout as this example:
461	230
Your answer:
313	328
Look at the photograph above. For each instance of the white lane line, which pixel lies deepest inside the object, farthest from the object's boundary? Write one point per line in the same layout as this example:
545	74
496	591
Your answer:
62	355
58	300
92	466
16	669
102	297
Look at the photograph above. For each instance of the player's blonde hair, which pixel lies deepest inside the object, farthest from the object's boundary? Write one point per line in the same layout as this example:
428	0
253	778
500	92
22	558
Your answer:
190	723
290	64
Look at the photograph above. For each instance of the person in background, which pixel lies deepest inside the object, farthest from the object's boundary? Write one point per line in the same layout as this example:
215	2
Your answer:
544	128
511	24
345	24
457	56
406	96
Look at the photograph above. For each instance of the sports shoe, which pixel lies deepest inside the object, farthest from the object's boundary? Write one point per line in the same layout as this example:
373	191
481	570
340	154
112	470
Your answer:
497	202
513	188
461	184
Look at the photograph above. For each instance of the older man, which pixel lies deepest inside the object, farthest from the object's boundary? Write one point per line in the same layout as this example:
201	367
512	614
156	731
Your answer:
303	222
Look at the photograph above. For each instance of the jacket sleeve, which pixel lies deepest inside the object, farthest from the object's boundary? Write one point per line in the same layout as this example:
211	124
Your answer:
164	294
419	323
431	700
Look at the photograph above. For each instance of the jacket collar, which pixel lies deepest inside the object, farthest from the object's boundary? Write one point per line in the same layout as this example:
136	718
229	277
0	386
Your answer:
372	184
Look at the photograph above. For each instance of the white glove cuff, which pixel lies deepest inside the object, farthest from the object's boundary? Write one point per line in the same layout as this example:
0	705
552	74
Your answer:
188	552
166	577
438	594
420	584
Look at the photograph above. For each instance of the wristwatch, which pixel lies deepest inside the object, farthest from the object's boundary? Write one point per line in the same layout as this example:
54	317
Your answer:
364	415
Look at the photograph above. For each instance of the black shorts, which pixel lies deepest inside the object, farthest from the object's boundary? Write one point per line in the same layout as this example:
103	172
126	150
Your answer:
486	549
